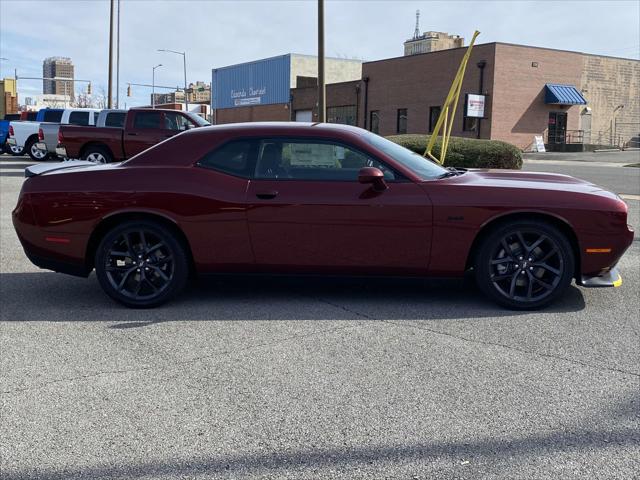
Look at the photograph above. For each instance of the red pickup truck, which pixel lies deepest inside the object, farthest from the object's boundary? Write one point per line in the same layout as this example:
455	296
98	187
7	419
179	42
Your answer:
143	128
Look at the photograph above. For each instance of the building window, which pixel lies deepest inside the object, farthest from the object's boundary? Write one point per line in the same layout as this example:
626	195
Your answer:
434	114
470	124
402	121
345	115
375	121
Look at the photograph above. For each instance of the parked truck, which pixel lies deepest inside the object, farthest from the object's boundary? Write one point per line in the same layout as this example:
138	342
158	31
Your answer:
143	128
48	131
4	133
23	135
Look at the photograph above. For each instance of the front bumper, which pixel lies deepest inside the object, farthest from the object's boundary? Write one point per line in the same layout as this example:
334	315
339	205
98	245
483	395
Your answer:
610	279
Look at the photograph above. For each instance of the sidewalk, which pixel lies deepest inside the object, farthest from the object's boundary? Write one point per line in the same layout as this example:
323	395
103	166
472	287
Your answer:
615	157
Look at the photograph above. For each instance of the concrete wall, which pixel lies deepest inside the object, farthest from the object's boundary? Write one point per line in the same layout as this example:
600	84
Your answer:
417	82
608	82
336	69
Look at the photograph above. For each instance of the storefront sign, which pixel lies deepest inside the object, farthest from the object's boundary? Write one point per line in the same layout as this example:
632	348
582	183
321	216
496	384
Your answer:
538	144
474	105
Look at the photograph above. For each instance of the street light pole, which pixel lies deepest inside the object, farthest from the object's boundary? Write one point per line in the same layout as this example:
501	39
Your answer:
153	86
184	62
322	102
118	59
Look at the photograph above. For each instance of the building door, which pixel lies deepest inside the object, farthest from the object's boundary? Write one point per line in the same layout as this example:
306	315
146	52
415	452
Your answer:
557	127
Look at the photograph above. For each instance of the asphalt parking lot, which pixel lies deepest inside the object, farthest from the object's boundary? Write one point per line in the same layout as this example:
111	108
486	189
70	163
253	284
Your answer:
277	378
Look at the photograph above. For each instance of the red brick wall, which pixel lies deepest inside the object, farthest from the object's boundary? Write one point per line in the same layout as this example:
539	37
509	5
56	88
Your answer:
338	95
418	82
258	113
519	111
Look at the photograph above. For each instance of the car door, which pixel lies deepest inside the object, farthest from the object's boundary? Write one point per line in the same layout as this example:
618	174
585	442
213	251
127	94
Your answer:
146	130
308	212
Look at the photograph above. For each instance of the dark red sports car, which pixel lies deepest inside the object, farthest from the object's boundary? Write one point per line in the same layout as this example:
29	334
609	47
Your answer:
321	198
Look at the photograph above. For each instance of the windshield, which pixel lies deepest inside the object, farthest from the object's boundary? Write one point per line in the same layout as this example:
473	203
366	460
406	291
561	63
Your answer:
198	120
424	168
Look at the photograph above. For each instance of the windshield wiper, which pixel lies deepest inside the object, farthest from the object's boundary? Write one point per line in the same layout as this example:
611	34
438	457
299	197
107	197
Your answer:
451	172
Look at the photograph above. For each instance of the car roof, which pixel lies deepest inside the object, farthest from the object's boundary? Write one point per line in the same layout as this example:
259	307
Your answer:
280	128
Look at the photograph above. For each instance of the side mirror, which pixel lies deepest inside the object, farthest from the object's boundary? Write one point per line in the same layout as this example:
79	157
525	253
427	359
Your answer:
374	176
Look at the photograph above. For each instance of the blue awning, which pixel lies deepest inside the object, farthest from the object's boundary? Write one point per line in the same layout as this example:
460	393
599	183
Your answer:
556	94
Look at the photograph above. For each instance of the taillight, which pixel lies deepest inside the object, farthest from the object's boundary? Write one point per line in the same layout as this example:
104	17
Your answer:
60	137
11	134
40	134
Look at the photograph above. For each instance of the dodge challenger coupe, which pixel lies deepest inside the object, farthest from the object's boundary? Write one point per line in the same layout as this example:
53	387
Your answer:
315	199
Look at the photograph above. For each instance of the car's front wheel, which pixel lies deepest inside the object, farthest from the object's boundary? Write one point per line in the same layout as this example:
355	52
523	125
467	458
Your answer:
525	264
141	264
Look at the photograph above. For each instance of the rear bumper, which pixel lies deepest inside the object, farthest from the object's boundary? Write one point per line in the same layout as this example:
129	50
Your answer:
41	146
610	279
61	152
12	141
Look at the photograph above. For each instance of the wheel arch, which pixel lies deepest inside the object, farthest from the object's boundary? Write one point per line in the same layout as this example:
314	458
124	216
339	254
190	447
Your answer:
560	223
109	222
88	145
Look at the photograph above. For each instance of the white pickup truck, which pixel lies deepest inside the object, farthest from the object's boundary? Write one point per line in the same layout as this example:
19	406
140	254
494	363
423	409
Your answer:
48	131
25	134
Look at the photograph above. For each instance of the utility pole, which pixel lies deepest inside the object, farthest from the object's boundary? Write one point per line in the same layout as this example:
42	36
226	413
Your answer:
118	59
153	86
110	87
322	102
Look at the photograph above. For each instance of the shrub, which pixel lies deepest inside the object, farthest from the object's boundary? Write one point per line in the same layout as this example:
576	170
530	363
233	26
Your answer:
467	152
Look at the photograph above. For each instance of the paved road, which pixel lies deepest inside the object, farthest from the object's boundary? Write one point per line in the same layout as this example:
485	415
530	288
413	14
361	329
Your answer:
312	379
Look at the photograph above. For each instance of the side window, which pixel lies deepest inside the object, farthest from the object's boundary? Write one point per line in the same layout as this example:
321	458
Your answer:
54	116
115	119
147	120
79	118
233	158
308	160
176	121
434	113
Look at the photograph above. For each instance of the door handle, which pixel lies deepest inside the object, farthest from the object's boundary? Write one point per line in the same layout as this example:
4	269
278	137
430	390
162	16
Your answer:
132	134
267	195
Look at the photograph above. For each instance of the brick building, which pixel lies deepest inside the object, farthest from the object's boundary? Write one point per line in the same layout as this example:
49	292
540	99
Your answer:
572	99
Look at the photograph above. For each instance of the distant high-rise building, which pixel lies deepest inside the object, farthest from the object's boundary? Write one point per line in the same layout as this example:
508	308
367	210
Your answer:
58	67
430	41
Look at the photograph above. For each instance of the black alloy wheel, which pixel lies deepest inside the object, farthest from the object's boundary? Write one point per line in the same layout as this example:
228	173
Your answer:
141	264
525	265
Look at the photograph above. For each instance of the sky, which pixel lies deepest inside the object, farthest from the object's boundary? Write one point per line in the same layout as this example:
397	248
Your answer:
216	33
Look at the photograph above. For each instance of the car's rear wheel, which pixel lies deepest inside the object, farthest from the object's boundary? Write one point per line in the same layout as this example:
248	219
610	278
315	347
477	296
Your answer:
13	149
141	264
97	154
524	265
35	153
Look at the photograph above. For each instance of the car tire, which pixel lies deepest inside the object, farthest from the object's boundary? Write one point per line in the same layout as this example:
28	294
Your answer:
141	264
13	150
35	154
97	154
524	265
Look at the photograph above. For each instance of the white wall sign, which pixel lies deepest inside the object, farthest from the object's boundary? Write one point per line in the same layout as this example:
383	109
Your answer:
475	105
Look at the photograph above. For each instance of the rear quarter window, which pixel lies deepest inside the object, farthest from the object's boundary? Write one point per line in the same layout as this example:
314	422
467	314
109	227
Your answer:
79	118
235	158
146	120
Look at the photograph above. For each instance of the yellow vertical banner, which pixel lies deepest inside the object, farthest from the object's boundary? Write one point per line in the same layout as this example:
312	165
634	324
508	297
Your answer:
447	114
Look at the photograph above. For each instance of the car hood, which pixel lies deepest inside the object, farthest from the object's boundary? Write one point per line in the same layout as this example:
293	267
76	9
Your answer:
516	179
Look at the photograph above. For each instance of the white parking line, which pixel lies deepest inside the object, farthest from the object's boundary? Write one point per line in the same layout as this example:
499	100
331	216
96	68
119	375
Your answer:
629	196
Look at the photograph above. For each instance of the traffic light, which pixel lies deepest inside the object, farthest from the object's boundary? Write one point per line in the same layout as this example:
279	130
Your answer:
128	90
89	88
